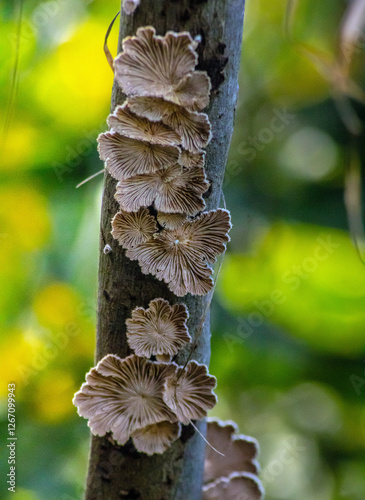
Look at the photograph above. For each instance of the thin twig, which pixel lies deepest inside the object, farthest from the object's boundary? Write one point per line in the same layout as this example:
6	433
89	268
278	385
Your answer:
89	178
204	439
108	55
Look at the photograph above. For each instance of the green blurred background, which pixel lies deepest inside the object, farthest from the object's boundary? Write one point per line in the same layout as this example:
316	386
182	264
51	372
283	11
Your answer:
288	317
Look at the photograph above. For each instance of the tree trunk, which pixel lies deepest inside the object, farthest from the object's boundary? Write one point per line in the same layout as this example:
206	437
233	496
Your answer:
119	471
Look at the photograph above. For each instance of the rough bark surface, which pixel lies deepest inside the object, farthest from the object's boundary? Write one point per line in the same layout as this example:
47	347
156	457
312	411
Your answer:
117	472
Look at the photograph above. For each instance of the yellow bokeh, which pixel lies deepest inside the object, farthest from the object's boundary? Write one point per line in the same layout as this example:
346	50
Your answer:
56	305
74	84
19	147
59	308
18	358
25	221
53	399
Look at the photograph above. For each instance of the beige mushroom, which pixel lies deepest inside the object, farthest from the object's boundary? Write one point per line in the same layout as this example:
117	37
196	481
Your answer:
170	221
156	438
129	6
193	128
193	92
189	392
133	228
158	66
127	123
190	160
171	190
121	396
240	452
125	157
237	486
181	256
160	329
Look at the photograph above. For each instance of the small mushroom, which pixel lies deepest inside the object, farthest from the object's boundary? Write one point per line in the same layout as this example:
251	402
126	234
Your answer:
125	157
171	190
129	6
127	123
238	485
189	392
121	396
190	160
170	221
181	256
161	329
240	452
156	438
193	128
133	228
158	66
193	92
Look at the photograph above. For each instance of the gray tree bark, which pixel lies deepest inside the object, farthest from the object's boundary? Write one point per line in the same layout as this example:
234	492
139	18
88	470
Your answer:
117	472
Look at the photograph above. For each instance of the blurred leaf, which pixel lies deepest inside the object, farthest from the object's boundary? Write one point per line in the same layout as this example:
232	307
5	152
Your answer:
306	279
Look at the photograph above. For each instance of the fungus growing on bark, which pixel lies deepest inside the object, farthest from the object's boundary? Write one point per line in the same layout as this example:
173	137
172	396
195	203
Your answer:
121	396
127	123
240	452
170	189
160	329
190	160
193	128
181	256
189	392
238	485
125	157
159	66
133	228
156	438
129	6
170	221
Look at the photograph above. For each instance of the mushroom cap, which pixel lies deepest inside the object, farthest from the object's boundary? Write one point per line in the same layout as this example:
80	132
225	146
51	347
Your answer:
170	221
193	92
180	256
133	228
171	190
193	128
160	329
156	438
121	396
125	157
158	66
190	160
129	6
127	123
238	485
240	452
189	392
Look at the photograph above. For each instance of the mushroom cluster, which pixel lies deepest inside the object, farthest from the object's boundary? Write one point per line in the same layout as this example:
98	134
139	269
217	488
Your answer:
143	399
233	475
155	150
